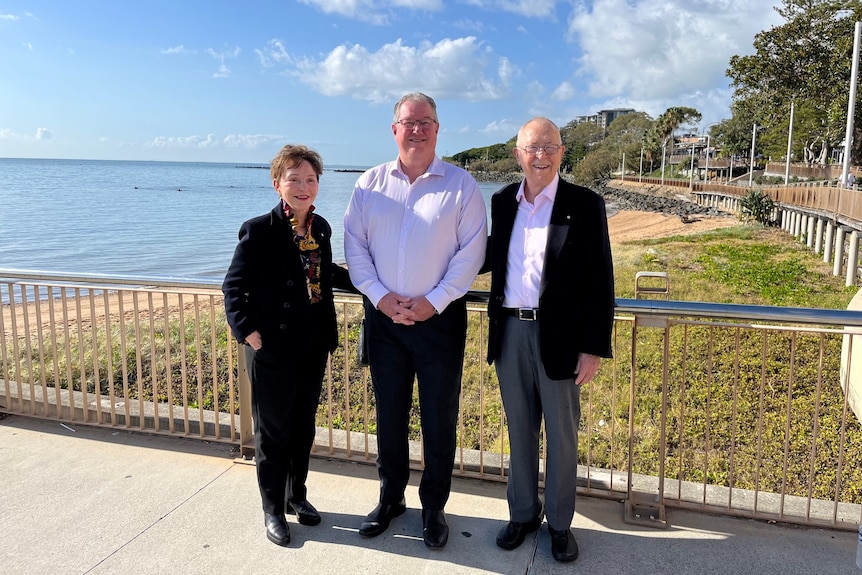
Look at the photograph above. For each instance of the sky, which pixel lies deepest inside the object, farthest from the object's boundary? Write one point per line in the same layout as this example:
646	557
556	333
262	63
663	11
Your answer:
231	81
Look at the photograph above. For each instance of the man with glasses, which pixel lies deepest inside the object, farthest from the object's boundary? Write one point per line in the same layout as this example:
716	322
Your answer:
414	239
550	319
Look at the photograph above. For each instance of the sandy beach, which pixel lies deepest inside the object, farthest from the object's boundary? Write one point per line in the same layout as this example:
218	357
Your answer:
627	226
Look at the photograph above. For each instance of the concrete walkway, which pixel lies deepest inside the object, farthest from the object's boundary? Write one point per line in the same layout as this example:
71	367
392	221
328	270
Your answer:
99	501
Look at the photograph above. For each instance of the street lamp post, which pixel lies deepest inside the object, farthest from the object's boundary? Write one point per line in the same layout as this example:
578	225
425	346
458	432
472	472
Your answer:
751	161
706	170
663	153
789	145
691	168
641	169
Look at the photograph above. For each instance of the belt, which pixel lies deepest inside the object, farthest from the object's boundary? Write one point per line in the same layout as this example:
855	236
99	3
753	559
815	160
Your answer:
522	313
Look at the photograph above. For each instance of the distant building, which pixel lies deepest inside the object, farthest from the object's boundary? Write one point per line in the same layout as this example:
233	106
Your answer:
604	118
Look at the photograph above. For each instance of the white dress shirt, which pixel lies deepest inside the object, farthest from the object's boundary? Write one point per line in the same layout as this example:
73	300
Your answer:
526	257
421	239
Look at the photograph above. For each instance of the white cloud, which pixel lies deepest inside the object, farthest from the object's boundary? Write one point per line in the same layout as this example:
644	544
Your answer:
469	25
9	17
274	53
223	71
6	134
504	127
372	11
564	91
44	134
543	9
210	141
674	52
450	68
28	45
175	50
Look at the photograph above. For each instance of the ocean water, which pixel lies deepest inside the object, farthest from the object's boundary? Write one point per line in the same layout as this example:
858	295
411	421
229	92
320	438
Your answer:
162	219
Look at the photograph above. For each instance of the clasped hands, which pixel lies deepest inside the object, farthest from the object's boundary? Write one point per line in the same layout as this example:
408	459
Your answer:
405	310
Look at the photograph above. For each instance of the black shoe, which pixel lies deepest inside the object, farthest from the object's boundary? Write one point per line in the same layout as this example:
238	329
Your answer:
512	535
378	520
564	548
304	511
435	532
277	530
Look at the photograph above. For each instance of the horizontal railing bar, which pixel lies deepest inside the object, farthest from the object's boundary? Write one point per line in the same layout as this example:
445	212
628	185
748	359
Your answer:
754	313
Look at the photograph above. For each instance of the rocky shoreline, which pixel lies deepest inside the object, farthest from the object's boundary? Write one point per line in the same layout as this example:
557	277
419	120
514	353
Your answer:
650	198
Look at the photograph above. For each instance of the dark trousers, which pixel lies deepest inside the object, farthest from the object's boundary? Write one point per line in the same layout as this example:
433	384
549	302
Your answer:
285	392
432	352
528	396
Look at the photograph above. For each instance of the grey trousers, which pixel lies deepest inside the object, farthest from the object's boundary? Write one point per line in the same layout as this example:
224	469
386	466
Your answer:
528	394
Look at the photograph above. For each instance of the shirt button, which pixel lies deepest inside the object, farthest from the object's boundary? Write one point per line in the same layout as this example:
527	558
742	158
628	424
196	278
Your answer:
285	305
290	282
283	326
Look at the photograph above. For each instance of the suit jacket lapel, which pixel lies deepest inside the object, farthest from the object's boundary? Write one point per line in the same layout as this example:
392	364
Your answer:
562	217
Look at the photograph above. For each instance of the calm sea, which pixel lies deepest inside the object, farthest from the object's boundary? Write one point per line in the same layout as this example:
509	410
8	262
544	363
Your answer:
164	219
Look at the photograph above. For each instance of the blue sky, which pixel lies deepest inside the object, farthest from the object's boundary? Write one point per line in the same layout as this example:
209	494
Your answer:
231	81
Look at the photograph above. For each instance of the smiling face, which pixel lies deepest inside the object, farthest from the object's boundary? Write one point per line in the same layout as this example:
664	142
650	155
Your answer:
540	167
416	145
298	187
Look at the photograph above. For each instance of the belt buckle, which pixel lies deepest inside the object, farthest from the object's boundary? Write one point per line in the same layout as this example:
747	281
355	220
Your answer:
526	314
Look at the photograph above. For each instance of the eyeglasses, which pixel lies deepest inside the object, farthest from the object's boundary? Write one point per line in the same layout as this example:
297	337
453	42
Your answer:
549	150
410	124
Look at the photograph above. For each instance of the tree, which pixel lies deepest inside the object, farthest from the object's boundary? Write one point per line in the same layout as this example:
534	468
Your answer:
807	60
579	139
666	124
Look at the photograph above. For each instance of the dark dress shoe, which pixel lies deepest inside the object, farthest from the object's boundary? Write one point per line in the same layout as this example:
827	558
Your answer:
564	548
304	511
435	531
512	535
378	520
277	530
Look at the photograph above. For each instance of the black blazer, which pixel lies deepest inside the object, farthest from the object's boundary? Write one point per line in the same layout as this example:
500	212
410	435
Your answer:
576	303
265	287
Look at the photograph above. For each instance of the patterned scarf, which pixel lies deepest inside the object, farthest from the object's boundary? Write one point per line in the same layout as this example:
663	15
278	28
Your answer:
309	251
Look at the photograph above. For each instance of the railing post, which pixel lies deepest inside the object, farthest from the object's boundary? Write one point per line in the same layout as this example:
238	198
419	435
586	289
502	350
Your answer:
246	425
830	240
818	236
838	261
852	259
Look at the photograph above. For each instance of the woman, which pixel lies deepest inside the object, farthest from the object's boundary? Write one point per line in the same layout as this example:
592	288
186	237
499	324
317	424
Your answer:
278	299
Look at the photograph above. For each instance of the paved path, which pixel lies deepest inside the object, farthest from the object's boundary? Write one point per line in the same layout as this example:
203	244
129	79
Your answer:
100	501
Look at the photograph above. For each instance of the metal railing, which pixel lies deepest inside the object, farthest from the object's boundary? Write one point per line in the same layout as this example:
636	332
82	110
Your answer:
736	409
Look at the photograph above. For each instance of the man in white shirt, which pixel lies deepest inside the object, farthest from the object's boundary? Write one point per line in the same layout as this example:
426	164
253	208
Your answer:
414	239
550	315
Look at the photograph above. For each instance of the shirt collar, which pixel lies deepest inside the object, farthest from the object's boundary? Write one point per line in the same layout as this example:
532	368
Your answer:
549	193
435	169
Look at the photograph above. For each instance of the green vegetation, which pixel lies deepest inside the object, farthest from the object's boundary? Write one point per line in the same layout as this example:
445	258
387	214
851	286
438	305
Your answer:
757	206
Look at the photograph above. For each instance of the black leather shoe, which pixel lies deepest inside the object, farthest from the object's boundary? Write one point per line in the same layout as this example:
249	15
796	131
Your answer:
277	530
564	548
304	511
378	520
512	535
435	531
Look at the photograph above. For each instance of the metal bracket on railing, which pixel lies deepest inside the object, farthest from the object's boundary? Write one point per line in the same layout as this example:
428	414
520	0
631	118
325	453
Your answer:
658	288
647	509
